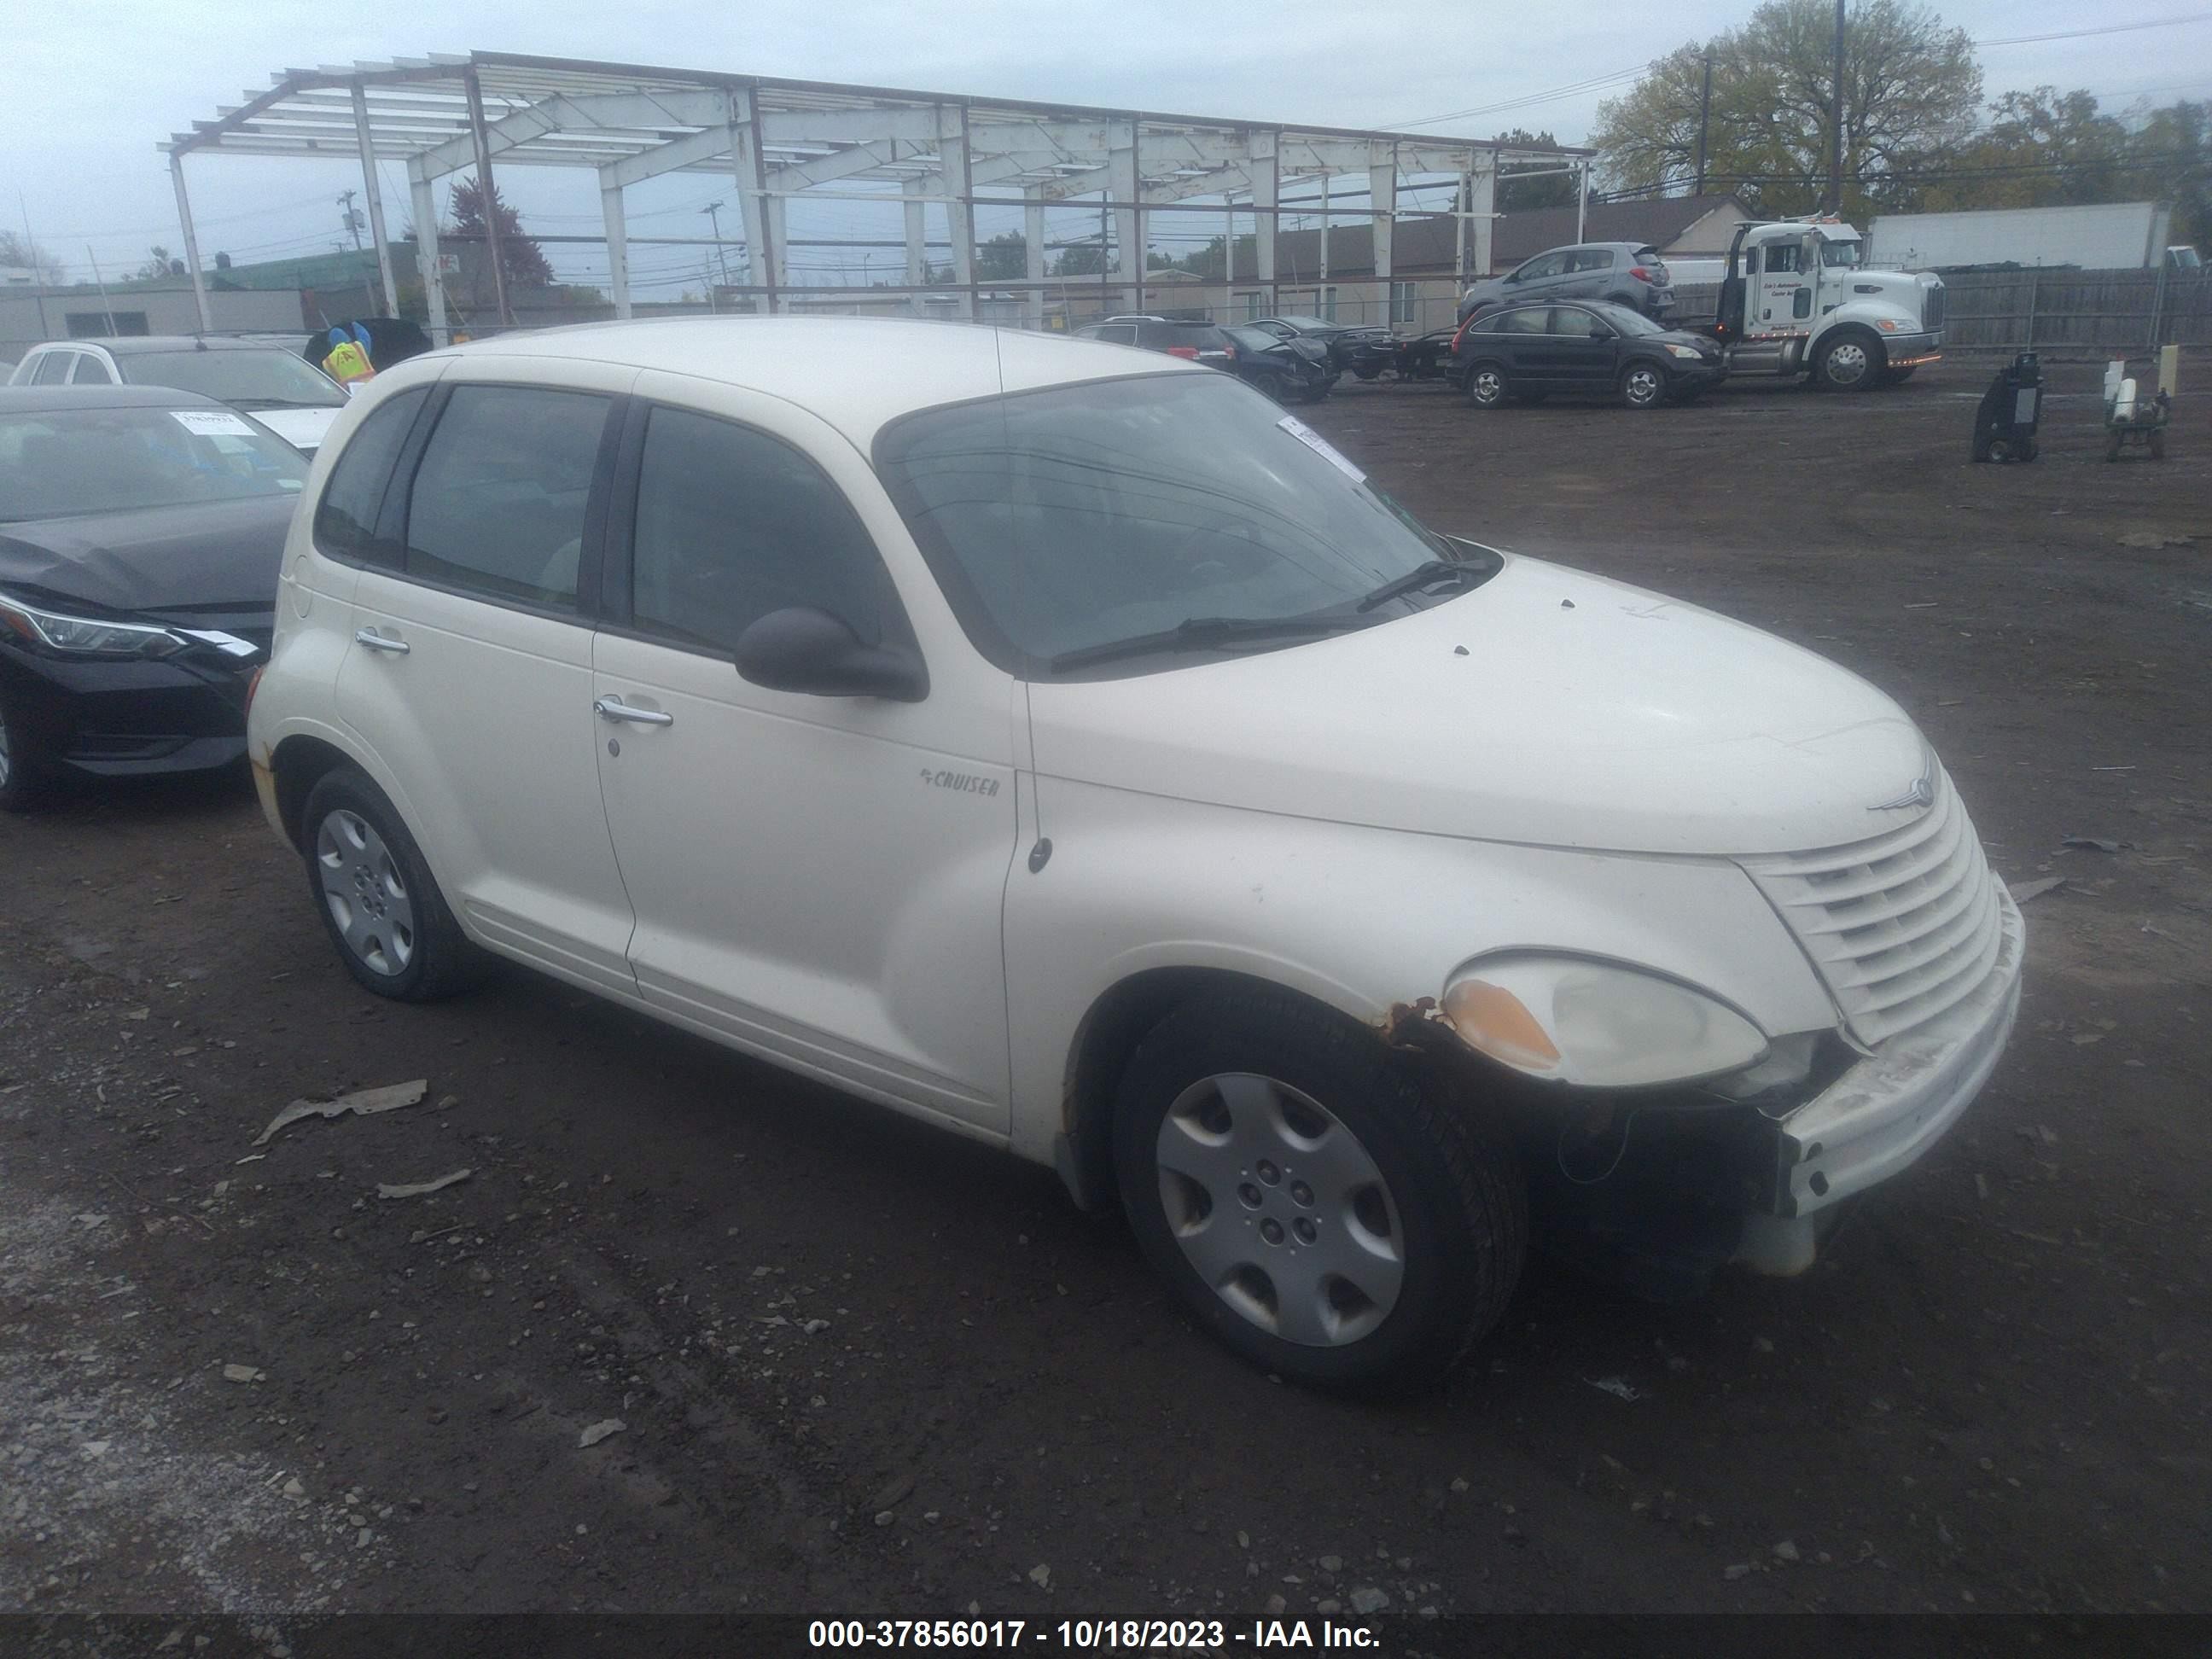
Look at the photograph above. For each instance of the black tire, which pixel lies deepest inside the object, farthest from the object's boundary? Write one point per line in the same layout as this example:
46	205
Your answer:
433	959
2157	445
1453	1200
2113	447
1485	385
1368	372
1319	389
1850	360
2028	449
27	778
1644	385
1269	386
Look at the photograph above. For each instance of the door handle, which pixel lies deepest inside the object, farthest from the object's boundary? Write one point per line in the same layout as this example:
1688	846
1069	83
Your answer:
614	709
376	642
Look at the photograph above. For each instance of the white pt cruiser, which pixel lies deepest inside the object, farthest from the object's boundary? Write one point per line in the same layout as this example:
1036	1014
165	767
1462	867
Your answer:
1059	743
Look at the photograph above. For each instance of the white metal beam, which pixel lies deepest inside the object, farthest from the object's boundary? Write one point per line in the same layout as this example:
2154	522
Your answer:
690	150
959	214
372	188
425	256
617	228
192	241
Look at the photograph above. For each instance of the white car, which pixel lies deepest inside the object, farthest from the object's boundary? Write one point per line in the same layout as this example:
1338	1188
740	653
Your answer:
274	384
1059	743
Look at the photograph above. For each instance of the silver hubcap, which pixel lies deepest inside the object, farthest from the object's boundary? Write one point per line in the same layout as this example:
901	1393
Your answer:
1847	363
1642	386
367	894
1280	1208
1488	386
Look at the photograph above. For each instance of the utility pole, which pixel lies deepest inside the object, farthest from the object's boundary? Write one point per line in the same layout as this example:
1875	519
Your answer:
1836	131
352	219
1704	119
713	212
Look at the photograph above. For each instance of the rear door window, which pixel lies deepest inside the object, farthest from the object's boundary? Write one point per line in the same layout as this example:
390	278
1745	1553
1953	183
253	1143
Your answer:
90	371
1548	265
497	506
346	520
1118	333
54	368
1592	258
1528	320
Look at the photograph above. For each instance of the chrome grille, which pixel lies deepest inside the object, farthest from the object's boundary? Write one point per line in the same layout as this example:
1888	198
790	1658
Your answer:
1902	924
1931	308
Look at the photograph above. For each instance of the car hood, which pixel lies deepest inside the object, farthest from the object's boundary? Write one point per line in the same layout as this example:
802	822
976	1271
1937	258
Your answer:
214	556
1547	708
302	429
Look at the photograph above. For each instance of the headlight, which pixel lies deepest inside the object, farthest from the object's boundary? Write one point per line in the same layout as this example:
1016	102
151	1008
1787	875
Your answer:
1887	324
1595	1025
85	636
1691	352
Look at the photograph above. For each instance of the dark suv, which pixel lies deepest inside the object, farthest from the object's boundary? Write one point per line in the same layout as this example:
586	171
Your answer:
1629	274
1198	342
1526	353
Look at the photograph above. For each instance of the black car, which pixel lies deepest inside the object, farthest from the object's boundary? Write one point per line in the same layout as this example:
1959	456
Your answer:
141	532
1361	350
1593	349
1286	370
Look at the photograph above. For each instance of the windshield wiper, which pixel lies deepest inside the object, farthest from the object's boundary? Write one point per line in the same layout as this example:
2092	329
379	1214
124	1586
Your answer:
1202	632
284	402
1425	574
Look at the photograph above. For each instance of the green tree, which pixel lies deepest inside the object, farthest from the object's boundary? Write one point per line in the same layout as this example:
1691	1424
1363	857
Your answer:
1911	86
2040	149
1003	258
2170	155
1555	188
22	252
520	258
1084	259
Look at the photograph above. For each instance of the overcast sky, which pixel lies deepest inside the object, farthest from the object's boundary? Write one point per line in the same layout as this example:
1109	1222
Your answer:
88	87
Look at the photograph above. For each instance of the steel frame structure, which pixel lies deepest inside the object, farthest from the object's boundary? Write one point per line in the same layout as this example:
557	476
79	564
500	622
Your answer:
777	141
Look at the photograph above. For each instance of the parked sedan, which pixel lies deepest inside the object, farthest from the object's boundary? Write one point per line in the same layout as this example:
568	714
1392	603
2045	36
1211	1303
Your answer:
140	530
1630	274
1529	352
1285	370
293	399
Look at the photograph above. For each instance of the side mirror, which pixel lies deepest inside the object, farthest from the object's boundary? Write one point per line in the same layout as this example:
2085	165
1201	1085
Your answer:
818	655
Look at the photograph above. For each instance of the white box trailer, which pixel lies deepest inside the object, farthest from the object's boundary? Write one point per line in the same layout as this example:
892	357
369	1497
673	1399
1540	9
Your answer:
2114	236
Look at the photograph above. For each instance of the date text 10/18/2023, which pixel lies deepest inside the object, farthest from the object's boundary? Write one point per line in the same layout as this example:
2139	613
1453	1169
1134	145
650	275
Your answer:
1088	1635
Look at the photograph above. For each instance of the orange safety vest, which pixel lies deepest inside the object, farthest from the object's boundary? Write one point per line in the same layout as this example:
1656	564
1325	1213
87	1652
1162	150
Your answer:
347	363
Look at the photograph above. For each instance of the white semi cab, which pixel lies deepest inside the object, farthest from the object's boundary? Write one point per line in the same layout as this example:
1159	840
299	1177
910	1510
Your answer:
1797	298
1059	743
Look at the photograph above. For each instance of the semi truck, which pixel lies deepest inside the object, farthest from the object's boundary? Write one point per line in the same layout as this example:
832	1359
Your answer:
2108	236
1797	298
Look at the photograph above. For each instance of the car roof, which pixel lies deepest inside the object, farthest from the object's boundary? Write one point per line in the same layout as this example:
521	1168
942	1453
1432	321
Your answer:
125	345
858	374
37	399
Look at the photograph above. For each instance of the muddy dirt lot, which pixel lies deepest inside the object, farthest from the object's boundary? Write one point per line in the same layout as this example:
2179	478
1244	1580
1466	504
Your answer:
864	1369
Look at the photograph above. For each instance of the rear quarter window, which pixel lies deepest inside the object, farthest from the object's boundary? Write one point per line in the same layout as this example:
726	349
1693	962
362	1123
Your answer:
346	518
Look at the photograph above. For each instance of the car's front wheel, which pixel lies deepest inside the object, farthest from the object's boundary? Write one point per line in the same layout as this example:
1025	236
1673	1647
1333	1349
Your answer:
1644	385
392	926
26	781
1317	1204
1485	385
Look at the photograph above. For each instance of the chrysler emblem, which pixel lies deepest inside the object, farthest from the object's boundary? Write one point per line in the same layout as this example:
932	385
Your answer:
1922	793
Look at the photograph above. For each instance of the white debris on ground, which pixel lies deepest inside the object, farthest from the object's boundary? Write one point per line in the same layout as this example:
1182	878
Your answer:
96	1467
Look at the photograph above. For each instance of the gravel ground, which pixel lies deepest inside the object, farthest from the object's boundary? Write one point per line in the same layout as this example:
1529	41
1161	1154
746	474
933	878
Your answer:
858	1368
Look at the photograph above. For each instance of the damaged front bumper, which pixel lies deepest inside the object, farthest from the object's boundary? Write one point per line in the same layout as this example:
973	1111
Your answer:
1884	1113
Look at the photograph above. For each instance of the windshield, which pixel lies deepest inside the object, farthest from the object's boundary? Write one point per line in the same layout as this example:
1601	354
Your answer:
273	378
1840	254
1306	325
1631	322
66	463
1077	515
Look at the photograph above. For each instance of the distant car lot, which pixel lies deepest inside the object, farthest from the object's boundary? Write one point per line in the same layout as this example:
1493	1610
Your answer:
2027	1308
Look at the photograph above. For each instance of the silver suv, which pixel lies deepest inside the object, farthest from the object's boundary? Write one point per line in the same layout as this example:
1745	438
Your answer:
1628	274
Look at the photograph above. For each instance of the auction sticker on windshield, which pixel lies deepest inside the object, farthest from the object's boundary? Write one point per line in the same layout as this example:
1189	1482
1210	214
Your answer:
1321	447
211	422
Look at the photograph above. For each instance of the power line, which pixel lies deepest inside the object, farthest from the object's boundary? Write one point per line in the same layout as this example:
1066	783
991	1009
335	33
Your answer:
2108	28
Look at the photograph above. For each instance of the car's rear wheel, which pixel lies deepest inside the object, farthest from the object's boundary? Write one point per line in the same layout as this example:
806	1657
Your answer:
1317	1204
25	780
392	926
1269	386
1644	385
1485	385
